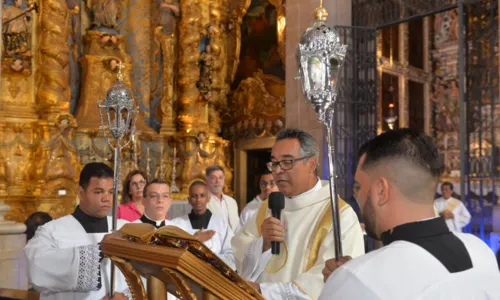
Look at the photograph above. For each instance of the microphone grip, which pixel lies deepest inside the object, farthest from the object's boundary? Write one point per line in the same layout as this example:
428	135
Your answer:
275	246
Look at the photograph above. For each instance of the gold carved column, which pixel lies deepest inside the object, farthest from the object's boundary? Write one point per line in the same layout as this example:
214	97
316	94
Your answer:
189	43
53	75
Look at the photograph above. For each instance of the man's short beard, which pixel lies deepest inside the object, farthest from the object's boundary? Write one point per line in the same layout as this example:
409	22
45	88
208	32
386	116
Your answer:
368	216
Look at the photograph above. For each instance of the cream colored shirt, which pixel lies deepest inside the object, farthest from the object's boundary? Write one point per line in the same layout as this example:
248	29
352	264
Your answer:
226	208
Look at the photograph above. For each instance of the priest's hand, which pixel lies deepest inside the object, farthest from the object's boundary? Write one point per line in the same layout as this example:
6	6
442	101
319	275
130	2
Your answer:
256	286
446	214
272	231
332	265
204	236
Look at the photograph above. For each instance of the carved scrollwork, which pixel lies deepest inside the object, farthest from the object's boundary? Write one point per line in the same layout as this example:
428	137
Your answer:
132	278
280	27
257	108
182	289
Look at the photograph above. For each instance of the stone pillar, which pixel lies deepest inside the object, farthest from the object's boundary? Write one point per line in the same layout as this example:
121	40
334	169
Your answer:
299	16
13	266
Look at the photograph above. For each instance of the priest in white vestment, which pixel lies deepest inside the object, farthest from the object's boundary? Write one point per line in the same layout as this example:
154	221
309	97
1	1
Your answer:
220	204
305	228
451	209
421	257
64	257
267	185
201	219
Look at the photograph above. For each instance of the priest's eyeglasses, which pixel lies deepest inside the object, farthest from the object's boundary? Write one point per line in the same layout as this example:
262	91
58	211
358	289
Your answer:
285	164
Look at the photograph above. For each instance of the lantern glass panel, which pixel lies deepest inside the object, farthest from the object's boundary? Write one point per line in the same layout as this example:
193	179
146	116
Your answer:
334	70
317	73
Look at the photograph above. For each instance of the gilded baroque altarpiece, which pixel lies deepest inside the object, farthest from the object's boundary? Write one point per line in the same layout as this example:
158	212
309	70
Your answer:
181	58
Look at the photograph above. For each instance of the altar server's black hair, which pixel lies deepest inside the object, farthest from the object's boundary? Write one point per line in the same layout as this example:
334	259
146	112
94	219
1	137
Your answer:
94	169
407	144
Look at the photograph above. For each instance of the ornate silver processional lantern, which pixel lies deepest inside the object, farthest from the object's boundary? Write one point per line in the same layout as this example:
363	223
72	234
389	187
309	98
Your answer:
320	57
118	116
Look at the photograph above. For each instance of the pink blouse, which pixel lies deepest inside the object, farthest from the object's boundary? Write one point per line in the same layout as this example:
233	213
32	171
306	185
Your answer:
128	212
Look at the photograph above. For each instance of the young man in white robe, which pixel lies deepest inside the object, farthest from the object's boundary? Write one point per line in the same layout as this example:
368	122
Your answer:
220	204
157	200
451	209
305	228
64	257
398	173
201	220
267	185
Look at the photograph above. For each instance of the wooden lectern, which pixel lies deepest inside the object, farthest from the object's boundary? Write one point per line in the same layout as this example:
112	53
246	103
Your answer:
174	261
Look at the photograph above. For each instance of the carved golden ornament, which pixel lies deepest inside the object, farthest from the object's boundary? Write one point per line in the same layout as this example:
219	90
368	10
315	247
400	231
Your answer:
182	289
281	27
132	278
257	108
53	54
43	147
237	10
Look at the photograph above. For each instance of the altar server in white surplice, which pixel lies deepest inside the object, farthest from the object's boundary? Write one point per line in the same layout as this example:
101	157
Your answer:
451	209
157	200
201	220
65	260
422	259
267	186
305	229
220	204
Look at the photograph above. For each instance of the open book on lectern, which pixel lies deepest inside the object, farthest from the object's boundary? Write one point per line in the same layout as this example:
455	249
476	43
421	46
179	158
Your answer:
174	237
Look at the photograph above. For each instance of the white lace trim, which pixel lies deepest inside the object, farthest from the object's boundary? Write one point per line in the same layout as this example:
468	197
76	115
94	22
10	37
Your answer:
88	269
288	292
127	293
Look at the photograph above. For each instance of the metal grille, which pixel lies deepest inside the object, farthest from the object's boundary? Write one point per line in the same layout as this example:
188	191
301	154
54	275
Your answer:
483	113
378	13
356	106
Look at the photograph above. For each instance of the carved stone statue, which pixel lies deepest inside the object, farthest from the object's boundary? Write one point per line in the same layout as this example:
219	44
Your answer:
204	85
165	14
106	14
17	33
168	12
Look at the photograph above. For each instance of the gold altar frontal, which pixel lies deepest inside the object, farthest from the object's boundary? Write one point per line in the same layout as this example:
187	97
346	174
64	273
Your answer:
181	59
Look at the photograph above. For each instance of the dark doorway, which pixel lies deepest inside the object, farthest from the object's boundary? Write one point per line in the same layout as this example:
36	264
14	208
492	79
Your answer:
256	164
416	105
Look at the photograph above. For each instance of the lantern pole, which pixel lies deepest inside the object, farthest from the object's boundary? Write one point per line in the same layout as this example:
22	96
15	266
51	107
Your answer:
119	119
320	57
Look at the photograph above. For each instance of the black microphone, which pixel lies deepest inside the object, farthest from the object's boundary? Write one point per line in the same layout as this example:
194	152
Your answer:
276	204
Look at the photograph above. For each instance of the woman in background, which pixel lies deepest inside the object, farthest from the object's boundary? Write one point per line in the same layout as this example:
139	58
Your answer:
131	207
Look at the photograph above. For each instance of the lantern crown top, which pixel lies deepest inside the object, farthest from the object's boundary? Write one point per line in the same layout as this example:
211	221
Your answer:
119	95
320	14
319	37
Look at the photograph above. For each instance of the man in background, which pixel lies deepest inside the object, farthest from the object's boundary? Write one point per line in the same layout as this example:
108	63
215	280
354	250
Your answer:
267	186
221	205
201	221
451	209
